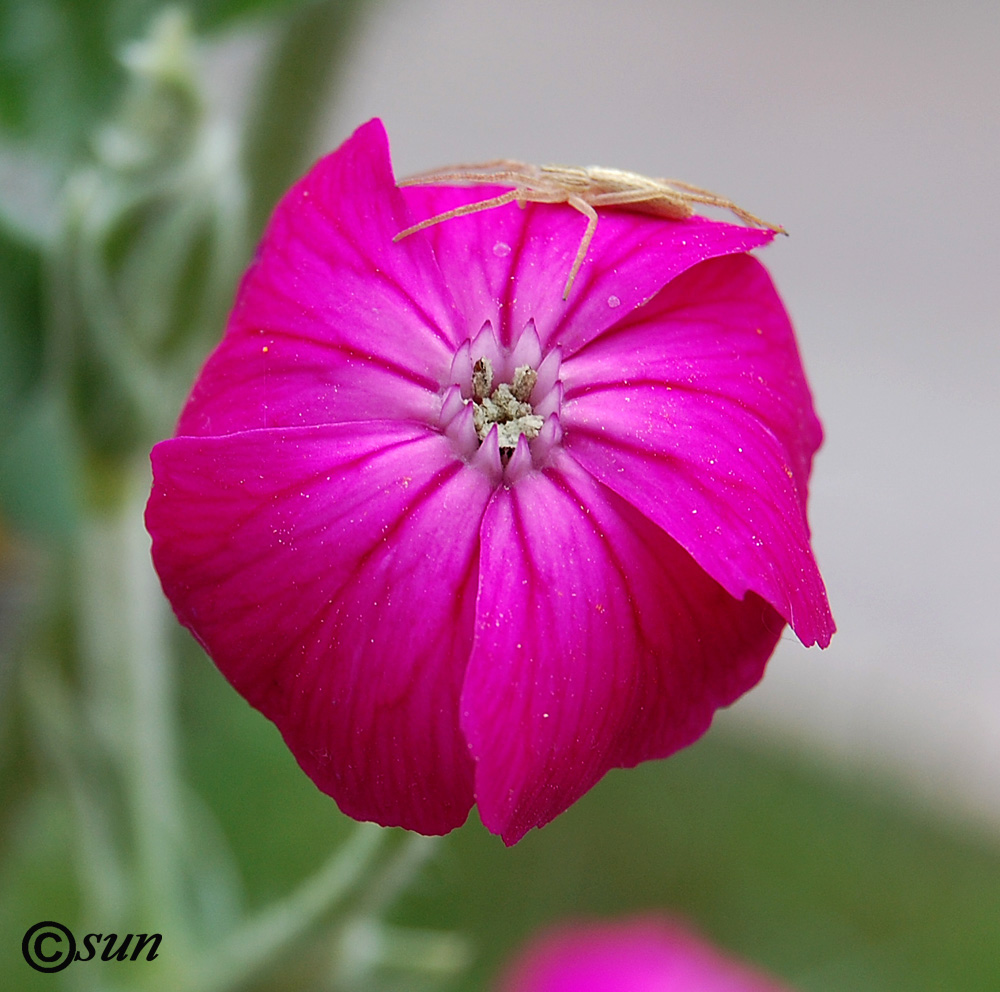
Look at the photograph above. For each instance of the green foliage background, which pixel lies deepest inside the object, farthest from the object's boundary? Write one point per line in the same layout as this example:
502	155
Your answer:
828	879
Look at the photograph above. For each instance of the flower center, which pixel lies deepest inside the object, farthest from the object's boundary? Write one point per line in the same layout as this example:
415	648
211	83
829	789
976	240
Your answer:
498	393
507	405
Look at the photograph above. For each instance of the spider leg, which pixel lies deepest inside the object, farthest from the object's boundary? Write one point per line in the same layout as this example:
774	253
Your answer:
695	194
658	202
614	198
501	171
581	253
748	218
687	187
468	208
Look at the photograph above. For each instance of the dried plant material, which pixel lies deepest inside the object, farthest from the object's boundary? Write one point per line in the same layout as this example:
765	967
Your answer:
506	406
482	379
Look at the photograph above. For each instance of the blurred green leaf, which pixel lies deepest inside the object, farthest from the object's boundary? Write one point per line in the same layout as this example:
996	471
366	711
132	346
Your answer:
21	308
37	881
212	14
292	100
39	469
59	69
36	449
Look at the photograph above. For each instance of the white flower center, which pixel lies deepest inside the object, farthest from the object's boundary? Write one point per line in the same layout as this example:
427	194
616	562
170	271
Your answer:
498	392
507	405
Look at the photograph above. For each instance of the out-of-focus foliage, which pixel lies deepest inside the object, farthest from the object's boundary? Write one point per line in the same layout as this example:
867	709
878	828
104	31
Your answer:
20	317
827	879
36	457
58	69
151	243
125	220
123	230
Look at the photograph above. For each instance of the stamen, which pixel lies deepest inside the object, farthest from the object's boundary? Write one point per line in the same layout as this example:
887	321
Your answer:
482	379
507	406
525	378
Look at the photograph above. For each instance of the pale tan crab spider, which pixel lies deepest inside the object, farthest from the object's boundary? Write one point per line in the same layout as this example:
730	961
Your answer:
585	189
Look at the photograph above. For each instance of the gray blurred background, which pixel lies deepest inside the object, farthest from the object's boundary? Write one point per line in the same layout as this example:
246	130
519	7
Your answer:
871	130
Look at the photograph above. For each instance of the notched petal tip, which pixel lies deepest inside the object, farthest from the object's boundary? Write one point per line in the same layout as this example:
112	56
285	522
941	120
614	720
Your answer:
548	375
548	439
452	404
528	349
520	462
487	457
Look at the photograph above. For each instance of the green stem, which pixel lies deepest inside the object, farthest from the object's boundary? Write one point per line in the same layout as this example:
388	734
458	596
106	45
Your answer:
397	876
294	96
262	939
368	944
155	784
124	641
55	720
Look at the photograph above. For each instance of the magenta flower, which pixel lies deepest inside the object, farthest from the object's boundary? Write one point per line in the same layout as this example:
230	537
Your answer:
465	542
642	955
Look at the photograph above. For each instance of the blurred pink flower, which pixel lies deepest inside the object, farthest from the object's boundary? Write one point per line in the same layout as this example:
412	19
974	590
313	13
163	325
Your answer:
465	542
648	954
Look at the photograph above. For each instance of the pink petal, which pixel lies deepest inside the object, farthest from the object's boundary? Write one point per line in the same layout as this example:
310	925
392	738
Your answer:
598	643
333	322
509	266
648	954
426	620
697	412
331	574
